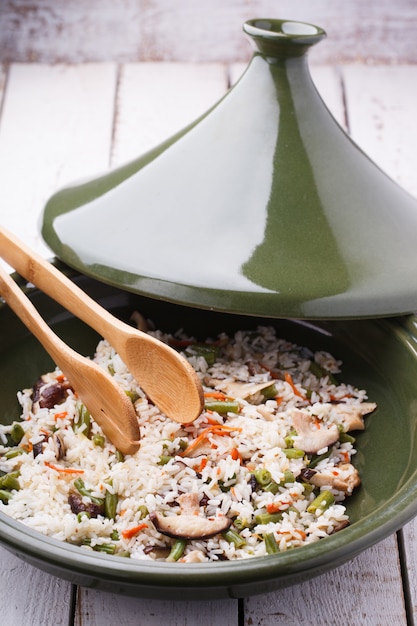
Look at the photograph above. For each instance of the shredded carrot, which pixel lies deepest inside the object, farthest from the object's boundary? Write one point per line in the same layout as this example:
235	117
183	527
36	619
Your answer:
273	507
336	399
345	455
215	429
274	374
302	534
131	532
60	378
122	512
201	465
235	454
64	470
317	421
289	380
217	395
212	421
278	400
27	446
61	415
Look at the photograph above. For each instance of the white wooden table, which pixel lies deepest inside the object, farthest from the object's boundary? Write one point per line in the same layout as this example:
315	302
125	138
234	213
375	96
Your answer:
59	123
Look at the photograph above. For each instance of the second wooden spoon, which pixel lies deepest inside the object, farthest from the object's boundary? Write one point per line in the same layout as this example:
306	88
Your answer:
103	397
165	376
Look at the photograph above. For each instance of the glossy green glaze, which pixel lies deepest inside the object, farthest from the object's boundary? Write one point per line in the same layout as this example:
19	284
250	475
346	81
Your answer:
263	206
380	356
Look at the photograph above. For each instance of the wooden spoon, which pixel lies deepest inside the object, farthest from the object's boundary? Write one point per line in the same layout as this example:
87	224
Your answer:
166	377
104	398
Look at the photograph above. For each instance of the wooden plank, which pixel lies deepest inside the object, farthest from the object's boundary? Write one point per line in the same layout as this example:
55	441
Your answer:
165	30
382	104
55	128
409	541
155	100
366	591
95	608
29	597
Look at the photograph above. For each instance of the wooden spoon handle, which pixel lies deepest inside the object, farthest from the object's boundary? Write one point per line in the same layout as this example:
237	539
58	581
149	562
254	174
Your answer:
54	283
108	403
29	315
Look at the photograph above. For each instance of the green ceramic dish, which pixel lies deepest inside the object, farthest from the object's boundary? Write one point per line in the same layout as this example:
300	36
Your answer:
380	356
263	206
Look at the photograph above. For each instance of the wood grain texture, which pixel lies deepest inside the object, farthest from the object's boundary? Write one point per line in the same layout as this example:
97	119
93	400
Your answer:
56	127
54	31
29	597
382	105
154	101
366	592
98	609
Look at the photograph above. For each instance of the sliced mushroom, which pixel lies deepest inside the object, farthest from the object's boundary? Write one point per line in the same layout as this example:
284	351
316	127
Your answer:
59	446
189	524
312	436
239	389
343	477
78	505
352	416
47	392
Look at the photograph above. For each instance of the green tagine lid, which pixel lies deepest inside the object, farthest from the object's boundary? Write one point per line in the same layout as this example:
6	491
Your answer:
262	206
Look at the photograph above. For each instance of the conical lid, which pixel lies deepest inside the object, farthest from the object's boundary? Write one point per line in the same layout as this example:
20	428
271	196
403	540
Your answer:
263	206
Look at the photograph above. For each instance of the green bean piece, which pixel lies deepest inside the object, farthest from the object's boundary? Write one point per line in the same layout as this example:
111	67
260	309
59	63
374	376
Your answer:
287	478
120	457
316	459
272	487
84	419
177	550
183	444
10	481
323	501
82	514
124	553
143	510
222	406
5	496
308	488
208	351
270	543
321	372
99	440
263	476
13	453
241	523
270	392
293	453
114	535
267	518
107	548
17	433
110	505
133	395
233	537
164	459
79	485
289	439
345	438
